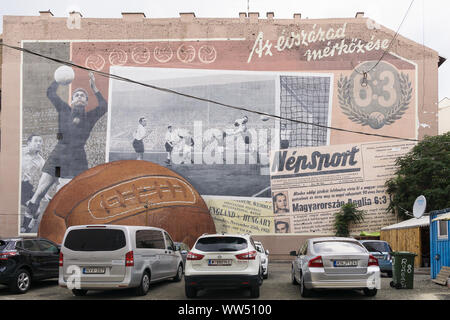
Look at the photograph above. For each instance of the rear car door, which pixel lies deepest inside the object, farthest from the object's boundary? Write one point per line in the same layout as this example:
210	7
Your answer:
221	254
49	258
98	253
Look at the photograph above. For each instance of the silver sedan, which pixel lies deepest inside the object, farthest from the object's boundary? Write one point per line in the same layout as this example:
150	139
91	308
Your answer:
335	263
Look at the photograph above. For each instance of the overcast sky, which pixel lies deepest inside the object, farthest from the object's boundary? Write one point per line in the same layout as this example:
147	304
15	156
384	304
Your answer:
427	21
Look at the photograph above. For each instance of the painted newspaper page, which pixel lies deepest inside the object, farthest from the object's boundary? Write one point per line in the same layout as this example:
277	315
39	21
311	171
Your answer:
309	185
247	215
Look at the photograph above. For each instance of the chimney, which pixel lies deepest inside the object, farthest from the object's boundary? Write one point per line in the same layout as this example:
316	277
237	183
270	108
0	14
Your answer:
136	16
254	16
74	20
297	17
270	15
187	16
359	15
45	14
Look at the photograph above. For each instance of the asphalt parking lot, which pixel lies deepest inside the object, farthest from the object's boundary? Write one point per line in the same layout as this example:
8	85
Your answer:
277	287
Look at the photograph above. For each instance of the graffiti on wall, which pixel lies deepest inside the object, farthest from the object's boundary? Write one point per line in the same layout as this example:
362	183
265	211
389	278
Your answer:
168	113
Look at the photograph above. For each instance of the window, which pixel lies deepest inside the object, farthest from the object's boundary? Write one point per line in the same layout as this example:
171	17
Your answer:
338	247
442	229
212	244
95	240
169	242
149	239
376	246
47	246
303	250
3	244
58	172
30	245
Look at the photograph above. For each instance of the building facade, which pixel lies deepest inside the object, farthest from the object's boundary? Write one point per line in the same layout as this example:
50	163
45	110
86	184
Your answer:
276	122
444	115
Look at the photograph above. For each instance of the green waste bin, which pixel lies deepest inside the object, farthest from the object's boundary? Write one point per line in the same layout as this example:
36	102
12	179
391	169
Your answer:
403	270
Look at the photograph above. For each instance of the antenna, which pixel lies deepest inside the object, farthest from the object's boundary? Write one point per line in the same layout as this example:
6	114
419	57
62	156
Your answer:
418	209
419	206
248	6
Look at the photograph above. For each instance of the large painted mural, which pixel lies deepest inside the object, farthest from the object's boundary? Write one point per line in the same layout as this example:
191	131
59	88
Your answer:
216	112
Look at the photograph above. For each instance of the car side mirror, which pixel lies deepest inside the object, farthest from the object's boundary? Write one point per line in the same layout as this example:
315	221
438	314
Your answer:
267	252
293	253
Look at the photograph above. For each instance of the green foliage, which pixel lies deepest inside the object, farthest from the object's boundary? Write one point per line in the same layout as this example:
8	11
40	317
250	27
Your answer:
348	214
425	170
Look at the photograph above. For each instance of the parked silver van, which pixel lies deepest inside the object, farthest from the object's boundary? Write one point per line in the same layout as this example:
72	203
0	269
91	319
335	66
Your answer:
99	257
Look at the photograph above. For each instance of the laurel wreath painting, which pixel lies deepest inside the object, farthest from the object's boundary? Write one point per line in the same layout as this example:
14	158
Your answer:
375	120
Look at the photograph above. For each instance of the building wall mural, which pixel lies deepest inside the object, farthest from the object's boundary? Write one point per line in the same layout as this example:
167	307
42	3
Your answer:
321	77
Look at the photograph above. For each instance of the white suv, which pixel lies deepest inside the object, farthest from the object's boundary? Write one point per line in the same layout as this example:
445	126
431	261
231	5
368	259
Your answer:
264	258
223	261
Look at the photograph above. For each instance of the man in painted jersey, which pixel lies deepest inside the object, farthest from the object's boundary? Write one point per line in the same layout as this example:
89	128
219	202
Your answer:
68	159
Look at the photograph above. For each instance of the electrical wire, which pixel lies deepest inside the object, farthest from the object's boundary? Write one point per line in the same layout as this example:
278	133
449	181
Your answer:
390	44
119	78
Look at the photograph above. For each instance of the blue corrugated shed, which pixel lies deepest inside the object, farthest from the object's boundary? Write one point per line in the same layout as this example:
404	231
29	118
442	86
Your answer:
439	248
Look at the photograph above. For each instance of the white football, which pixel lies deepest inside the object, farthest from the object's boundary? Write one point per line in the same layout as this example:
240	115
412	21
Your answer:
64	75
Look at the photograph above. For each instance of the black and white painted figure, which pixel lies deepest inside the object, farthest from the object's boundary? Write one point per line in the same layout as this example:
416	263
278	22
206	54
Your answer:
138	138
240	128
68	159
187	147
32	164
172	139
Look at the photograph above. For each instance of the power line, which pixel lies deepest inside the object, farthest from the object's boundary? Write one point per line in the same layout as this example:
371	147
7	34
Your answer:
119	78
390	44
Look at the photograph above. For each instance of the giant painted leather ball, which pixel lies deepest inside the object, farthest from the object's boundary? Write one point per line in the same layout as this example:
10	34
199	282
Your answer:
129	192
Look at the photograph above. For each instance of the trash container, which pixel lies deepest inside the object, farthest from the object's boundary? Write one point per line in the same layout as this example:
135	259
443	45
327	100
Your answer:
402	270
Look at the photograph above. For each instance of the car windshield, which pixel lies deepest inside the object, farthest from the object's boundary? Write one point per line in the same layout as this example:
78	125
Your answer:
376	246
213	244
95	240
338	247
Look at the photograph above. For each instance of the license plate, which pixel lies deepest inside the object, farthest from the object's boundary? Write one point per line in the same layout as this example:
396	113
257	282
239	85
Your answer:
346	263
219	262
94	270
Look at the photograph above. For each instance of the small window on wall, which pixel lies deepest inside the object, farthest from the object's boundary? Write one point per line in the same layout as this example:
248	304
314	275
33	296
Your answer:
443	229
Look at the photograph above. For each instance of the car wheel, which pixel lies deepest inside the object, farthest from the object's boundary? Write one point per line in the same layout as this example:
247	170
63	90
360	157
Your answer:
293	280
144	286
179	275
304	292
254	291
190	292
79	292
21	282
370	292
